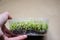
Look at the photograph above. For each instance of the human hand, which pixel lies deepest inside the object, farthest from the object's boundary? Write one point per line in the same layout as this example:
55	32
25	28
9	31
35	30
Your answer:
21	37
6	33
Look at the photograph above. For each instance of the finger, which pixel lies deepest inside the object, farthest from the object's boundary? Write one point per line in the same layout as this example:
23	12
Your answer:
5	37
19	37
4	17
7	32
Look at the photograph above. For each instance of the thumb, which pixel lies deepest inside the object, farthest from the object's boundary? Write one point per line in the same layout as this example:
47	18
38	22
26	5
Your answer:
19	37
15	38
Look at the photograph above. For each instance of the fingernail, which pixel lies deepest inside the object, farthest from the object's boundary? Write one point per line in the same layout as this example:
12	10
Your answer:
25	35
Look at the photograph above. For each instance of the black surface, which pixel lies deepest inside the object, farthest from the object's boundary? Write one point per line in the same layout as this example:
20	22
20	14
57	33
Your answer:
35	38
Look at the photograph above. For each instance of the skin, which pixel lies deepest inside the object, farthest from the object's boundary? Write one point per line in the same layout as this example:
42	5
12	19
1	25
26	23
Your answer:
7	35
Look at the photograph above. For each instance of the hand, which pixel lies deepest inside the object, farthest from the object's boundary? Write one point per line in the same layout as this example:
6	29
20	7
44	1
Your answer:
15	38
6	33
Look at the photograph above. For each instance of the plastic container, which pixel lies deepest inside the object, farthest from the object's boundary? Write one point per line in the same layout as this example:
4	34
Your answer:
35	28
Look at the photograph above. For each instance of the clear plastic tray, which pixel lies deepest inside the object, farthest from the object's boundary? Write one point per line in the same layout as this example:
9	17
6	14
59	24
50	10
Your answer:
33	22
